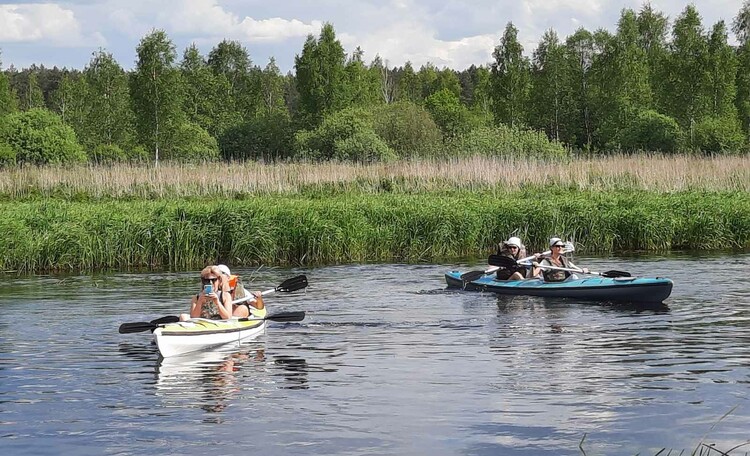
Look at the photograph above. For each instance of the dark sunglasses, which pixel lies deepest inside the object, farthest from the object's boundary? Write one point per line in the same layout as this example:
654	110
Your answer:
558	245
512	247
206	281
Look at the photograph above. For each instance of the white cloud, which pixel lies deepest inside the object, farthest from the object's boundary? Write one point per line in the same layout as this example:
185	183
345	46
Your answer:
40	22
402	42
208	19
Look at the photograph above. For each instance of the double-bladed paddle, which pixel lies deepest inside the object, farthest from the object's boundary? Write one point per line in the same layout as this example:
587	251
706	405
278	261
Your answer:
295	283
474	275
505	262
281	317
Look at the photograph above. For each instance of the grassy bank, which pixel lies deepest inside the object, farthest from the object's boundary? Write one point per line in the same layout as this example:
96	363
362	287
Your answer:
53	234
611	173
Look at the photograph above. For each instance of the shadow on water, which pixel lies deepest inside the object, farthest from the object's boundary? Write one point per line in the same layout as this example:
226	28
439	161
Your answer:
511	303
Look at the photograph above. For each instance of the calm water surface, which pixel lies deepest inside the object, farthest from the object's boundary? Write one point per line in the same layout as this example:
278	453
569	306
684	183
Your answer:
388	361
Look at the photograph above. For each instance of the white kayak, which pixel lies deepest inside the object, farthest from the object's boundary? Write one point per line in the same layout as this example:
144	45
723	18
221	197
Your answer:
197	334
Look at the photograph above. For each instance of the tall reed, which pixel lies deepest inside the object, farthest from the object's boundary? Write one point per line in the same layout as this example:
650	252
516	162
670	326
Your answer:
51	234
239	180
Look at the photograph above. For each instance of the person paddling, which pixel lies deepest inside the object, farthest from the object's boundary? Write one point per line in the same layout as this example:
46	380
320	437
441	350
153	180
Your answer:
512	248
237	291
555	259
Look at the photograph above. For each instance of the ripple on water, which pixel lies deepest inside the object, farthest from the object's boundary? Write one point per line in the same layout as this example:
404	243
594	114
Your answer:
387	361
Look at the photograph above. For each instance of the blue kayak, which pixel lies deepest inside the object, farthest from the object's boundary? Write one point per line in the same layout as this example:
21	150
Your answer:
620	289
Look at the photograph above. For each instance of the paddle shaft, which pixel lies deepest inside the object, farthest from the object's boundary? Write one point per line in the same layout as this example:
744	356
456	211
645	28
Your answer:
568	248
580	271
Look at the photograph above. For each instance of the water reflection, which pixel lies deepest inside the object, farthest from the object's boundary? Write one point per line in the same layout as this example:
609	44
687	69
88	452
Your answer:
209	379
295	371
214	379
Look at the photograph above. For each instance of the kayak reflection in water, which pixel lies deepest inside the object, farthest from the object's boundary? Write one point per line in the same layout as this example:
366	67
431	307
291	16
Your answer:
556	259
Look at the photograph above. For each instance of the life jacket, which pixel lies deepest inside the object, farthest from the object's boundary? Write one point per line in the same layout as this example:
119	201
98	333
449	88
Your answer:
233	281
505	273
553	275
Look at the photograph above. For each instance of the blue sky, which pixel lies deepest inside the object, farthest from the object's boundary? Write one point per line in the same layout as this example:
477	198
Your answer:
447	33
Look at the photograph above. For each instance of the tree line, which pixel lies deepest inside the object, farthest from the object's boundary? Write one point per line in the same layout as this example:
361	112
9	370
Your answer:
650	86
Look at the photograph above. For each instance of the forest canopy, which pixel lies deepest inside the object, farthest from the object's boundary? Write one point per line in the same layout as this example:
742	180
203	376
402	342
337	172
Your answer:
651	85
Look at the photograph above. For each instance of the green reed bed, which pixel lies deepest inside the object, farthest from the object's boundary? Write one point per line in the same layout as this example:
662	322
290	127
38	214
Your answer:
54	234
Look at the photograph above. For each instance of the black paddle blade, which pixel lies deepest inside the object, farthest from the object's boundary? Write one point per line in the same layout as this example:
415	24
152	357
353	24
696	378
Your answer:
501	261
127	328
287	316
293	284
280	317
165	320
613	274
471	276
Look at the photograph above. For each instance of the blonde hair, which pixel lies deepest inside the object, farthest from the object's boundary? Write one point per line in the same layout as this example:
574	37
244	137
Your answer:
215	271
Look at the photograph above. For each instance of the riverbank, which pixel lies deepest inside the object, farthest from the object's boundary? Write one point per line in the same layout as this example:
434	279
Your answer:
45	234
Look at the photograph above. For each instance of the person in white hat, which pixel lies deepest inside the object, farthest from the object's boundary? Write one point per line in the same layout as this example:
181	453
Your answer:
512	248
237	290
556	259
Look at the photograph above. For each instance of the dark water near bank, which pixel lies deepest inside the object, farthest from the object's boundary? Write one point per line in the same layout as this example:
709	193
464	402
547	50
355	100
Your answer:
387	362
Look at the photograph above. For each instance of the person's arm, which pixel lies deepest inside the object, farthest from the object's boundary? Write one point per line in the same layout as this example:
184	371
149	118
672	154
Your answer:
258	303
224	305
536	271
573	266
195	307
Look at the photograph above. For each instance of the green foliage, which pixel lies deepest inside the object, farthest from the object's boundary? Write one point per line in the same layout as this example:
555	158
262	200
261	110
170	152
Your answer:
320	143
363	85
652	131
408	85
33	97
231	64
58	235
321	77
7	155
109	118
449	114
107	154
267	136
39	137
688	75
550	106
206	99
156	93
407	129
363	146
8	102
722	72
504	141
193	143
719	135
579	59
510	80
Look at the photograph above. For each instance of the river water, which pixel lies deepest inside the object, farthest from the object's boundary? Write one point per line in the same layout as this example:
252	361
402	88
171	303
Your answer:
387	361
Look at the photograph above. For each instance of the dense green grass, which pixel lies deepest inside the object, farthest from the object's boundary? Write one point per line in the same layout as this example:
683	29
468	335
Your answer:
53	234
